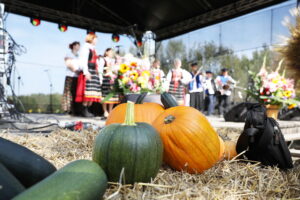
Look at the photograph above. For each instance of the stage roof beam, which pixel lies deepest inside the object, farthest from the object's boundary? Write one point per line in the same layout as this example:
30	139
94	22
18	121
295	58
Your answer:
166	18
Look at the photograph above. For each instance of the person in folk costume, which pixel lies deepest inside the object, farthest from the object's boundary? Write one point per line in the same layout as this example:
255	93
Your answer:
177	78
73	68
88	89
157	75
196	88
107	62
210	91
224	84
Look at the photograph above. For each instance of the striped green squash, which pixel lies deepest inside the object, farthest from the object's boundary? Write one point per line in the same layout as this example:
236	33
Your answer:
81	179
135	147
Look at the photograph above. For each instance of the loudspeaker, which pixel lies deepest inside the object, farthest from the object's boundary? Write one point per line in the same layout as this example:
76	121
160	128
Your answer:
237	113
289	114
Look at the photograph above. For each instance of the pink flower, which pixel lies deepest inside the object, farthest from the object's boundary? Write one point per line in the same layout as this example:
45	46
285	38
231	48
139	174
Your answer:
134	87
263	72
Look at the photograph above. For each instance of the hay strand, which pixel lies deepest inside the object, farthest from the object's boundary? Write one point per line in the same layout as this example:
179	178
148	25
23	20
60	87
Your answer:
226	180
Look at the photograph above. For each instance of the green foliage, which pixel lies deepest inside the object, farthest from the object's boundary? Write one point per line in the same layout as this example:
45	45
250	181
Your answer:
39	103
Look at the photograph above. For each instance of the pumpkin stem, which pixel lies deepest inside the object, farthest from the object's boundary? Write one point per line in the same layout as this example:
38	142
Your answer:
141	98
169	119
129	117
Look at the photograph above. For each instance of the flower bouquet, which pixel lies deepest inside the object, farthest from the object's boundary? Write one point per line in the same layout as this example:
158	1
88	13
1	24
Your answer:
135	78
272	88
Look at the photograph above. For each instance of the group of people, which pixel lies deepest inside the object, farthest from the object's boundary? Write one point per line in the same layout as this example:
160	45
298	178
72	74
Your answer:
90	79
200	90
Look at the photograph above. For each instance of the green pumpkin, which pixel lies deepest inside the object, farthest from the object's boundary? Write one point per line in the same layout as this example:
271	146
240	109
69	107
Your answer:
136	147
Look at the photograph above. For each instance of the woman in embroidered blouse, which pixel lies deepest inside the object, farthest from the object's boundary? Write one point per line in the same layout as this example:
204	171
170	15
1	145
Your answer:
107	62
177	79
73	69
88	89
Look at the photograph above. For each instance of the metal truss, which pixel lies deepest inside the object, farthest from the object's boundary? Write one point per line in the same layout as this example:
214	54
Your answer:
232	10
71	19
118	24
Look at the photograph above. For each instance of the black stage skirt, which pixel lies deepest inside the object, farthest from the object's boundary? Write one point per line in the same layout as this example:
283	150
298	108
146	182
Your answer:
92	87
107	88
196	100
178	92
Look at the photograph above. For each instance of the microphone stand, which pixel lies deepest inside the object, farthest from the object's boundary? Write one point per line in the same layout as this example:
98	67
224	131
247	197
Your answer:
50	100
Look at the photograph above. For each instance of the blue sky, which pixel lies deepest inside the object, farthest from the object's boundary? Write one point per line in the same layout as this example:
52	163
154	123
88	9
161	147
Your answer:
46	45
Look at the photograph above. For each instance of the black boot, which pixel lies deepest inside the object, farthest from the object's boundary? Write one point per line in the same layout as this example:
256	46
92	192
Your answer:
86	113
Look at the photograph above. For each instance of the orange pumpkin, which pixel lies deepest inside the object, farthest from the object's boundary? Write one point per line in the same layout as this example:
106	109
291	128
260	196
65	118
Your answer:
230	150
190	142
145	112
222	149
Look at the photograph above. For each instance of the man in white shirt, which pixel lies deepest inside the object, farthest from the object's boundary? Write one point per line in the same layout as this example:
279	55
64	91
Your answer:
196	88
210	90
224	84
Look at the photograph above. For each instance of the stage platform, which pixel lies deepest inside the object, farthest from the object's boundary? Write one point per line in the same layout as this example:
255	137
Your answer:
291	129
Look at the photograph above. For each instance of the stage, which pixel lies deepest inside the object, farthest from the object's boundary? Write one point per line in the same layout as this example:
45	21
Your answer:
290	129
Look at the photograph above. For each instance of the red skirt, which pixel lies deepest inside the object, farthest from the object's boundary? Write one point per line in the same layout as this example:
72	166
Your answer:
82	95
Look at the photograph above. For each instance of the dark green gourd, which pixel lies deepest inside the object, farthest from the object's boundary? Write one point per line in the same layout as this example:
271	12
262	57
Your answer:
168	100
136	147
81	179
9	185
27	166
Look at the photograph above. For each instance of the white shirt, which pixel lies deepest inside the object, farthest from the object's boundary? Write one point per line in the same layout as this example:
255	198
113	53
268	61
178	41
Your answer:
185	79
84	56
157	72
195	89
209	86
220	85
101	65
109	63
74	62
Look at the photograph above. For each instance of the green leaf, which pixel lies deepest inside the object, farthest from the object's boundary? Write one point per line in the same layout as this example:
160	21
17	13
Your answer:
110	95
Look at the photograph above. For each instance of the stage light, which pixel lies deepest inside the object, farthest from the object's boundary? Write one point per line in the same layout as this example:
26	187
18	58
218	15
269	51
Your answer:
138	43
90	31
62	28
35	21
115	37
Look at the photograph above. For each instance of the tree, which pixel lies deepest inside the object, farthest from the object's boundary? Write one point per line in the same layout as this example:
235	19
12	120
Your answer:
39	103
175	49
214	57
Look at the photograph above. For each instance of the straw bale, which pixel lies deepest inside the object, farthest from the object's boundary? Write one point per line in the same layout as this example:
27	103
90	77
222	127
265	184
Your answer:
226	180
